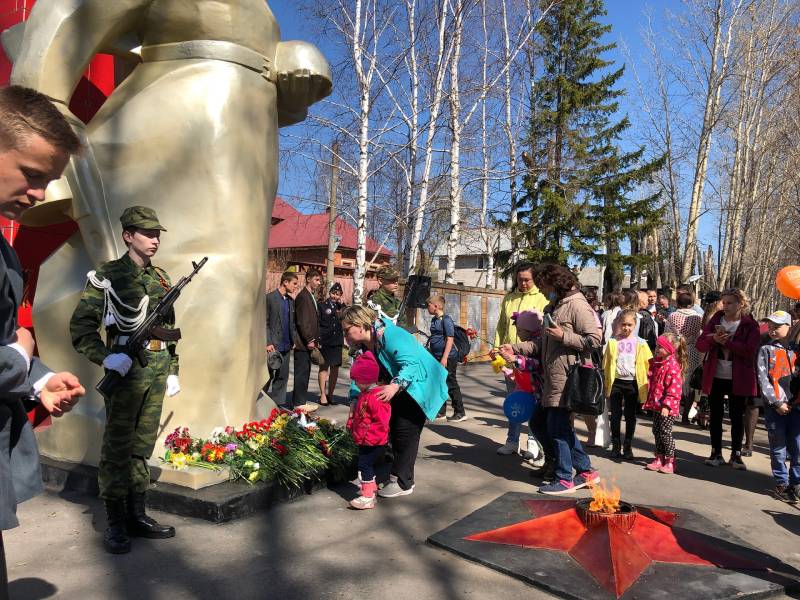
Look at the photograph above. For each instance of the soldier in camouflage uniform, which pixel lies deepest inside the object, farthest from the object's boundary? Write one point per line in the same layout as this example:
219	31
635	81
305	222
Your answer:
384	297
118	296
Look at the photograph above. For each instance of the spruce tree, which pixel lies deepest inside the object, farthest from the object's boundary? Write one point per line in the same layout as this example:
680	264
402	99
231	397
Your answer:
577	203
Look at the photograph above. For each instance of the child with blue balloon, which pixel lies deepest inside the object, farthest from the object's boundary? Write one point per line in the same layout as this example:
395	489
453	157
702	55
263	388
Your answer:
522	404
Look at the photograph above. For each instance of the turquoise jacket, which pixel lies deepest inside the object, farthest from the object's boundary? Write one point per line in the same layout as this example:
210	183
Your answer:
406	359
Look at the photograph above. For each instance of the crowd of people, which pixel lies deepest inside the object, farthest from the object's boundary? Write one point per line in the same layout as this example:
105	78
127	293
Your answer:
662	359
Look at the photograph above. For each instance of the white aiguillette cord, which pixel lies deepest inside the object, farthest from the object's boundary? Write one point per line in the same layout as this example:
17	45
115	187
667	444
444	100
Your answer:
112	314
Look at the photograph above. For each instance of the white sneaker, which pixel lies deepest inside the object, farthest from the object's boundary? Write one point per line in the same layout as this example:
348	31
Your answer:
508	448
393	490
363	503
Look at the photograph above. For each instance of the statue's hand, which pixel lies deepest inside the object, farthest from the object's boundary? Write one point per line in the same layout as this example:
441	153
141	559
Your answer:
303	76
301	88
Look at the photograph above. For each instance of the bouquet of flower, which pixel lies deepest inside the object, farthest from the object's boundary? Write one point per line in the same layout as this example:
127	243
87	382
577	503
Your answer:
289	447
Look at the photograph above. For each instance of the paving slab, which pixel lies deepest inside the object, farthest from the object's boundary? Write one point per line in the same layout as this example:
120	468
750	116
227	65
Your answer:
317	548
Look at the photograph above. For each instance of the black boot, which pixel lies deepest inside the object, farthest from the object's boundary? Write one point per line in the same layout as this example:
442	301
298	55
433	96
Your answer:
115	538
140	525
615	448
627	452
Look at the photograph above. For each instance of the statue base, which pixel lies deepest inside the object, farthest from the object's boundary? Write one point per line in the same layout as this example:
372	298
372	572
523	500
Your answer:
216	502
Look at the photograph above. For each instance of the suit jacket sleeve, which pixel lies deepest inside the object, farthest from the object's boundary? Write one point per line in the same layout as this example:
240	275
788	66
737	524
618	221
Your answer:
13	373
270	317
307	320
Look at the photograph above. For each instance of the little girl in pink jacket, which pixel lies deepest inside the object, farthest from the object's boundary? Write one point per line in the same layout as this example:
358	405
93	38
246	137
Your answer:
368	423
664	397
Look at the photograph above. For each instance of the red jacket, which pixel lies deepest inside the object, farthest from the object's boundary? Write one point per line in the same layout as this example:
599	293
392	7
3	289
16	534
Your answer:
743	347
369	419
665	381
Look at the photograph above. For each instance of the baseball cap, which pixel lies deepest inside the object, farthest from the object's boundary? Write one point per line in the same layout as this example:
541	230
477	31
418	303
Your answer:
780	317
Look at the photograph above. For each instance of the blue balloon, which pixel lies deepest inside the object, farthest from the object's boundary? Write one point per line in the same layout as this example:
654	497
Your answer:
518	406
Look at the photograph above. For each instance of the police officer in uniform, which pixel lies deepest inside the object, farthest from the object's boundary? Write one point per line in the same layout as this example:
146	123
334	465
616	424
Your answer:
384	298
119	296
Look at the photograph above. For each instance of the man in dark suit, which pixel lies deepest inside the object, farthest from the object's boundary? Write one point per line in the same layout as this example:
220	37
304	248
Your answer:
307	319
281	336
35	145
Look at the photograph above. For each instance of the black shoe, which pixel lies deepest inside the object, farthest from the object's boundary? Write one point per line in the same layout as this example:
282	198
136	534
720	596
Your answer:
140	525
794	494
787	493
737	462
115	538
627	452
457	418
615	449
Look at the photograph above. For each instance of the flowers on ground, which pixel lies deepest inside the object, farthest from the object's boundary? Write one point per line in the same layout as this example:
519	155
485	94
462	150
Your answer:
288	446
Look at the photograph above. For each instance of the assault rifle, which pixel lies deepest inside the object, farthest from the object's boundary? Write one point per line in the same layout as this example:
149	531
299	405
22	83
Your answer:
137	341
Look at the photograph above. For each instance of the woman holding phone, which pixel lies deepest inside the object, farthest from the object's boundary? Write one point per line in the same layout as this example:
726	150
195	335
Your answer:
730	340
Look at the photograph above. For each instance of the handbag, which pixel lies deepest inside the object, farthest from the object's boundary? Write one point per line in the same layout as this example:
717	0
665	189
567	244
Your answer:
584	392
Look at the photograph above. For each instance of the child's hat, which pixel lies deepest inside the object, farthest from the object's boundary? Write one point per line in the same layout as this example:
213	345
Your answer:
780	317
529	320
365	369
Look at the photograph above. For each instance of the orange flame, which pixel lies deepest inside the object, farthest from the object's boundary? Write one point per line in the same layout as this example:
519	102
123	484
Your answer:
605	499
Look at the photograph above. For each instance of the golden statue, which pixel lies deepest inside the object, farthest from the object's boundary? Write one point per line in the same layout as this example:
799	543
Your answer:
191	131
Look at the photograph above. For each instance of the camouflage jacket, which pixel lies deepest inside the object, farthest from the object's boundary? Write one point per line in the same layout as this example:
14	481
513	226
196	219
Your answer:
130	283
389	303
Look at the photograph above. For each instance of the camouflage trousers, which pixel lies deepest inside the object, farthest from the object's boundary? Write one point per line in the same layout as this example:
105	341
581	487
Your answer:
133	413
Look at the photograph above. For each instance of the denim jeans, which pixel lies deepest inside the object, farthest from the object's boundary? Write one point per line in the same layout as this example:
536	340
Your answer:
784	439
568	452
367	455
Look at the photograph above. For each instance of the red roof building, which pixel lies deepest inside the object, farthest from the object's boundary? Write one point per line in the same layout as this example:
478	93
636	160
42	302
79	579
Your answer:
297	239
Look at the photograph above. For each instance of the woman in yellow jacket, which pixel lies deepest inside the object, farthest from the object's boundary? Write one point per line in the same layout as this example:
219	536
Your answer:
626	360
526	296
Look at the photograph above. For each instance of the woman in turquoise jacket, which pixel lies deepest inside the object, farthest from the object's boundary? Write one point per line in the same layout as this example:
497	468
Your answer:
414	382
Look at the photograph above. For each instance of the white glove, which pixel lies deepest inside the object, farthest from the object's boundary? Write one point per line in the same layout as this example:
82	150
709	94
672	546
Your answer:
173	385
121	363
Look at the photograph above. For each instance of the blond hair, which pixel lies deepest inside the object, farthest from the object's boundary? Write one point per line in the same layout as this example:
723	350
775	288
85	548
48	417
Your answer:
681	350
741	298
360	316
437	300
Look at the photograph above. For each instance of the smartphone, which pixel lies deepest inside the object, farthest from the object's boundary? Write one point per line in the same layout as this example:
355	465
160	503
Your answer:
720	329
548	321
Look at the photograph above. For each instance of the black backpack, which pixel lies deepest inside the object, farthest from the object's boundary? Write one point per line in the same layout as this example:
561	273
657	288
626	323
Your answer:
461	342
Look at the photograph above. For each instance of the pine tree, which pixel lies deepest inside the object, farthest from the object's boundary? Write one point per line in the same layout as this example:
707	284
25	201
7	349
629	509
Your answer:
577	203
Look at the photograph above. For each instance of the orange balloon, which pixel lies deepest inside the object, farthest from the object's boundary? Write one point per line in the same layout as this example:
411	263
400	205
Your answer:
788	282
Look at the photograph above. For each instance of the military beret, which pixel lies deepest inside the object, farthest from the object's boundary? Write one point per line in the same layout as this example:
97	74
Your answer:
388	273
140	217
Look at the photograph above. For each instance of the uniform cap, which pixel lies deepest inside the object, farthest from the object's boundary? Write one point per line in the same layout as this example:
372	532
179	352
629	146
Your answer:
141	217
780	317
336	287
388	273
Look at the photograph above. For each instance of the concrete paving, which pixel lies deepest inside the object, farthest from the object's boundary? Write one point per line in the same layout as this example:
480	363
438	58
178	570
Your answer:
318	548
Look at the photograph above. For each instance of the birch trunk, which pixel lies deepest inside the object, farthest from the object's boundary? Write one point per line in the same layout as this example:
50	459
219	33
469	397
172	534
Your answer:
455	146
718	70
437	84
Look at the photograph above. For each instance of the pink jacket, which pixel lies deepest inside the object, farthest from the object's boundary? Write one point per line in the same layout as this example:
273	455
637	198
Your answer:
368	422
666	382
743	347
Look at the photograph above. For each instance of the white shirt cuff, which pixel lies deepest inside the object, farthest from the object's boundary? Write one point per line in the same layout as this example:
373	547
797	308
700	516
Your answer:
41	382
24	355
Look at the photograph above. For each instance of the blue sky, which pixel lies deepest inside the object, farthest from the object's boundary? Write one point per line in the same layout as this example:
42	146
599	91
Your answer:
627	18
